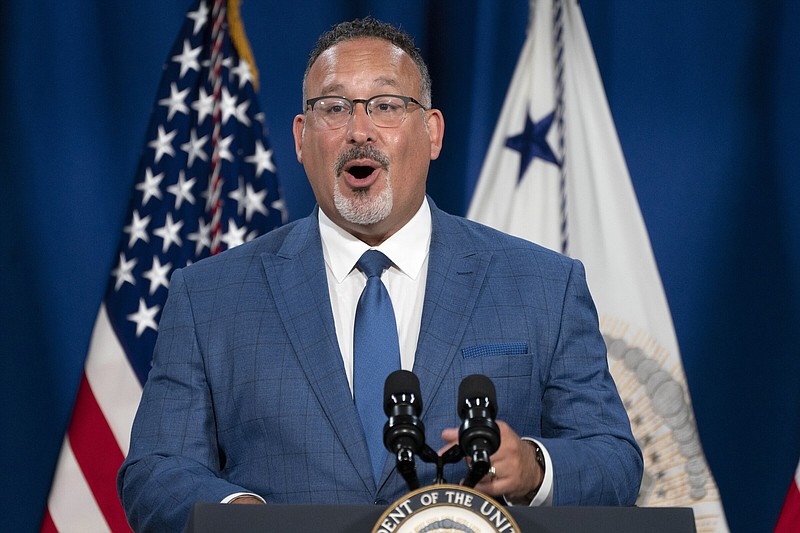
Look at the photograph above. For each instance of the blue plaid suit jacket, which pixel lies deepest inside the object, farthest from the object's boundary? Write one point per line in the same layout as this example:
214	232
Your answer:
248	390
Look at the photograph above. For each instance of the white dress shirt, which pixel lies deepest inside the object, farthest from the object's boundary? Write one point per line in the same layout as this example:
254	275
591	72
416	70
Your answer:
404	280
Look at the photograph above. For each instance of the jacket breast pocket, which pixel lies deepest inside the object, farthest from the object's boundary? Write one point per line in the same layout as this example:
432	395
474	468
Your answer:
511	367
497	360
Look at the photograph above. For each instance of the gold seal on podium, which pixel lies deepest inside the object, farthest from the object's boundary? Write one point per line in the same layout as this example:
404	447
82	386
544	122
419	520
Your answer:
446	508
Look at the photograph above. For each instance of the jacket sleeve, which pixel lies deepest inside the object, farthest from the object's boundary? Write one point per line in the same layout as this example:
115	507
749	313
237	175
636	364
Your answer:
174	459
585	427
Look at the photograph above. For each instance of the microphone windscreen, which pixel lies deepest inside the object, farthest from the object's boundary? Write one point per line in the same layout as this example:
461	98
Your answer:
476	386
401	382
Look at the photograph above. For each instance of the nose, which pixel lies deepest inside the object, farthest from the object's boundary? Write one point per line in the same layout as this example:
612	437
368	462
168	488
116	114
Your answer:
360	127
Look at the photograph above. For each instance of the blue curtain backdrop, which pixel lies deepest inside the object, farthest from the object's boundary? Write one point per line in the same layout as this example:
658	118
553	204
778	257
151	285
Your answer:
704	95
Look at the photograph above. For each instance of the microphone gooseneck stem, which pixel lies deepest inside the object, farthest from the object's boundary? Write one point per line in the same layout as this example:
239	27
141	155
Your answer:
407	467
479	467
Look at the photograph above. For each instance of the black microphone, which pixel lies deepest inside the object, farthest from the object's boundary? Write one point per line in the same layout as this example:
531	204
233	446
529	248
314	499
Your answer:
479	435
404	432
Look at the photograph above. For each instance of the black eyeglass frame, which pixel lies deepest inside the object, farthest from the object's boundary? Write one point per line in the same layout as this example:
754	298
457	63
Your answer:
406	100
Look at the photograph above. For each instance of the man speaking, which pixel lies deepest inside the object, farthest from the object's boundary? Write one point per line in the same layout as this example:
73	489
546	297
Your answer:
268	373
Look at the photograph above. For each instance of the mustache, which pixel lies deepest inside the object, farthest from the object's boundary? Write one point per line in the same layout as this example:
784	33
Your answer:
361	152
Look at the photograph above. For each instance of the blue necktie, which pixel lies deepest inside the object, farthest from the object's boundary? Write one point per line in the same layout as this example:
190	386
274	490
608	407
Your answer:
376	354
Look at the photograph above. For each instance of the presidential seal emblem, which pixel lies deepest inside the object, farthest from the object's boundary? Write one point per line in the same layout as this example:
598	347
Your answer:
445	509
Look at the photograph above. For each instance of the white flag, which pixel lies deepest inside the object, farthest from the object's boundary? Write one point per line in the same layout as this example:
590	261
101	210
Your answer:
555	174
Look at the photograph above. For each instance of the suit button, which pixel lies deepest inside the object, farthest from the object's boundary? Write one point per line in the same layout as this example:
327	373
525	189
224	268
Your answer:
381	501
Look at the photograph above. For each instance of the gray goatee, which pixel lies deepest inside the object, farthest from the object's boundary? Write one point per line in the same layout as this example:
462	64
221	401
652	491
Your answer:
360	207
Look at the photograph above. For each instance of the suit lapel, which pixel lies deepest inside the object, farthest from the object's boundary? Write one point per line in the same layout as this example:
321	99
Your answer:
455	276
297	279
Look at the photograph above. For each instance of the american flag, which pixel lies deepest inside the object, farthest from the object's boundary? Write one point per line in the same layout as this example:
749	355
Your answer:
206	182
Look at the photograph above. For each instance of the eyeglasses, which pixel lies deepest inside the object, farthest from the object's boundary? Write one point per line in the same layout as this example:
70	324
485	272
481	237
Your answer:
385	110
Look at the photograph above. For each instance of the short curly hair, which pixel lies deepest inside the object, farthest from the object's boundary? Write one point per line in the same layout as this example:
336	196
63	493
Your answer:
369	27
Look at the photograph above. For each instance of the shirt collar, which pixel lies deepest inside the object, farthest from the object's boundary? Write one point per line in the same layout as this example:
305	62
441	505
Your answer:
407	249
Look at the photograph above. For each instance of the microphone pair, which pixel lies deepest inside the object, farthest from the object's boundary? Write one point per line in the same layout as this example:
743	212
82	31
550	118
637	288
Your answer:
404	432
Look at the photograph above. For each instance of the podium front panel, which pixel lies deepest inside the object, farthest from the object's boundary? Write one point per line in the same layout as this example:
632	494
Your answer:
279	518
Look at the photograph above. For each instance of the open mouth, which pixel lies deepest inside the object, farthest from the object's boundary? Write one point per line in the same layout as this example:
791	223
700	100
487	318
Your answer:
361	167
360	172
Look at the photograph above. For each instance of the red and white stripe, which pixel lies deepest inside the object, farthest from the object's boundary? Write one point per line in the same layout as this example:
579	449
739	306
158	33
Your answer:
83	496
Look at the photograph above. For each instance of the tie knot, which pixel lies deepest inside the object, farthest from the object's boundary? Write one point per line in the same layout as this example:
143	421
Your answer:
373	263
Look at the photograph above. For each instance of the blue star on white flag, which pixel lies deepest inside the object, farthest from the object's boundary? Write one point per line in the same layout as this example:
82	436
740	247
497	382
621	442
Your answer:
532	143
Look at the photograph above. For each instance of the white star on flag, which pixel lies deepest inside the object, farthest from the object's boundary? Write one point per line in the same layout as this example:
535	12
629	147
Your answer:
176	101
230	108
262	159
199	17
169	232
158	275
144	317
150	186
241	112
254	202
163	144
204	105
188	58
137	229
182	190
225	148
238	195
235	234
194	148
201	237
242	71
124	271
